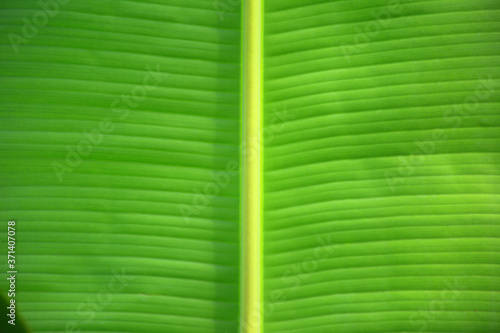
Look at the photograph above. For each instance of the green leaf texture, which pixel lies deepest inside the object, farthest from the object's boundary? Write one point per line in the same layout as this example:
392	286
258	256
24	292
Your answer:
119	161
130	198
381	189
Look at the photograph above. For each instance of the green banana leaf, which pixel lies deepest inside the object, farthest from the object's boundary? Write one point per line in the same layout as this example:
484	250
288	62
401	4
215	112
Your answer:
121	142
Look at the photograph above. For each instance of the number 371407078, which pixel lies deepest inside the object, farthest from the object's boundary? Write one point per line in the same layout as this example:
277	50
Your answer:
11	244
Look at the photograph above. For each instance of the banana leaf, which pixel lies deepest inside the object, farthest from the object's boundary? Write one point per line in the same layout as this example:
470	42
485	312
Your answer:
123	165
